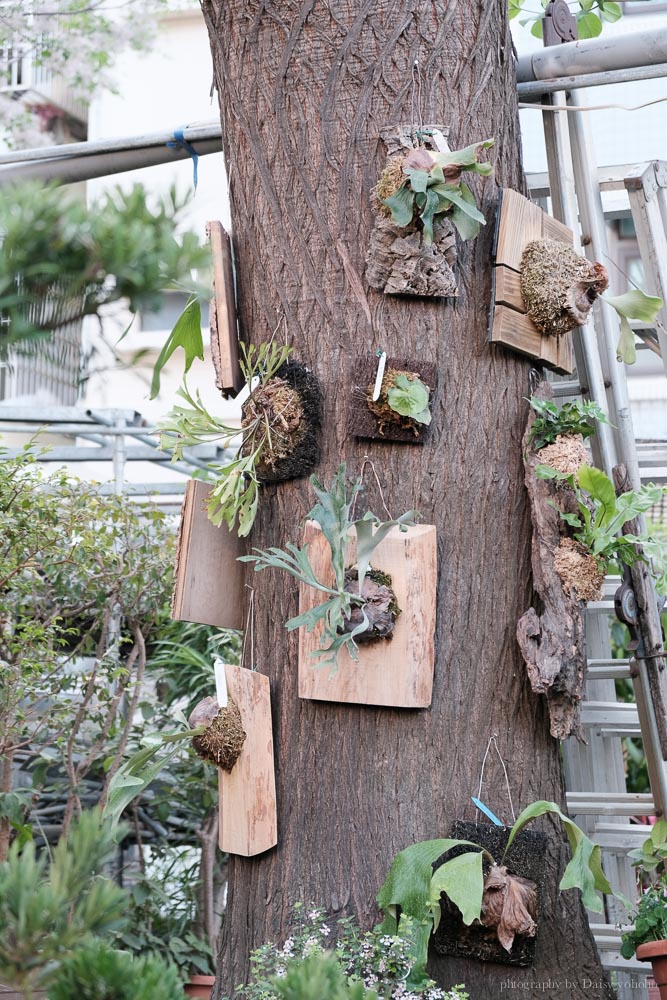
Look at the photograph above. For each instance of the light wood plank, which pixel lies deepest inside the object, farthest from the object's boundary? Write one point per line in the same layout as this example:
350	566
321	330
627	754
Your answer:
520	222
398	672
208	580
224	332
516	331
508	289
248	811
552	229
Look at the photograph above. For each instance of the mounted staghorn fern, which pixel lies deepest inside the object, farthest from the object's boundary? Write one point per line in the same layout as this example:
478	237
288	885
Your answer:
272	429
348	599
428	184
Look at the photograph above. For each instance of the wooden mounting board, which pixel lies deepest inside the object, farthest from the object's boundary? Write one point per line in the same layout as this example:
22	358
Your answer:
519	222
248	812
398	672
224	331
362	422
208	580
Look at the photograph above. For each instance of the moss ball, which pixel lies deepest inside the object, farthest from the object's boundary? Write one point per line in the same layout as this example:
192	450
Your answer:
222	740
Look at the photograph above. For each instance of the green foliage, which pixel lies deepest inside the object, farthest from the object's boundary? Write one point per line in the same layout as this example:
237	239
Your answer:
79	258
235	493
162	914
371	959
572	418
409	398
650	857
433	188
186	334
97	972
602	514
333	513
48	908
412	889
318	977
649	919
71	561
591	15
632	305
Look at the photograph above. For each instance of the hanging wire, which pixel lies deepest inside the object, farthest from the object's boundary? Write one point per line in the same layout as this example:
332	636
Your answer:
416	101
494	739
366	462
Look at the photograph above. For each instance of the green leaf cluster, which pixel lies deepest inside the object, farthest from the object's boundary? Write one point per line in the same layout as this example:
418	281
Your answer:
96	971
333	513
235	493
632	305
50	907
412	889
591	16
410	398
650	857
603	514
433	188
572	418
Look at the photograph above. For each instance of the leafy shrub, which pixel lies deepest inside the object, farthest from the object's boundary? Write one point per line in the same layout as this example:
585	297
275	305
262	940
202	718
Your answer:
318	977
97	972
47	908
369	959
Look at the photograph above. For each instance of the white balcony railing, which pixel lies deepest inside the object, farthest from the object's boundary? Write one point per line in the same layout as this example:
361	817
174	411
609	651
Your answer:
23	76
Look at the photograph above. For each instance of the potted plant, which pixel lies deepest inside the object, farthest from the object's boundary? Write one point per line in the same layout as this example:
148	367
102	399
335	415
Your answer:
648	936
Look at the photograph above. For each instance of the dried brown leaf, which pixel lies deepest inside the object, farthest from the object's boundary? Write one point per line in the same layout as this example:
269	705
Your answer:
509	904
418	159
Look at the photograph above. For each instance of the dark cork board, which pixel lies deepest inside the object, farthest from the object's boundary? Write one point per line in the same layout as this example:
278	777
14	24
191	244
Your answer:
526	858
362	422
306	454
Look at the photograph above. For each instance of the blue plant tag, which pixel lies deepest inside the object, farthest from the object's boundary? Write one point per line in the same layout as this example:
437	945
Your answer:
487	812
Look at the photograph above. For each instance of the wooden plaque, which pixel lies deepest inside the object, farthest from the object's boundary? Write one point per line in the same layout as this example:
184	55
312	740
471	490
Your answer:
208	580
224	331
248	813
520	222
396	672
362	422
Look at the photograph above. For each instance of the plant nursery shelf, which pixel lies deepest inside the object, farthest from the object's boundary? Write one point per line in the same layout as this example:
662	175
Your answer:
248	813
396	672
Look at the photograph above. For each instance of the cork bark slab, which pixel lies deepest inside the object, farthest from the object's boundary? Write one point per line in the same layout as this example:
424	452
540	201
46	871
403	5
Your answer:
518	223
248	813
552	642
362	422
526	858
224	330
396	672
398	262
208	580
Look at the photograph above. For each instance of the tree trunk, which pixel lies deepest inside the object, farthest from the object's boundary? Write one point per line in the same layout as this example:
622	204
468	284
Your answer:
305	89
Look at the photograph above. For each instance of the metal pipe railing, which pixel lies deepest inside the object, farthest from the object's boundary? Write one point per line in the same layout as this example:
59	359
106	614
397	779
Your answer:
598	55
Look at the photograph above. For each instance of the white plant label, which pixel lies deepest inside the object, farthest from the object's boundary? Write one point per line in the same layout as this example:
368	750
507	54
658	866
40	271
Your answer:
380	375
220	682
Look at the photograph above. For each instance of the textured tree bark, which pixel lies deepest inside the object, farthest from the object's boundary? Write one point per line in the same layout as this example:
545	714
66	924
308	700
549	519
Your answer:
553	642
305	88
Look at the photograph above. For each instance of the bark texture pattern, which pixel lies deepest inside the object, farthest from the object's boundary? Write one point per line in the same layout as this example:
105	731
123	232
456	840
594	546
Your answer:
305	89
553	642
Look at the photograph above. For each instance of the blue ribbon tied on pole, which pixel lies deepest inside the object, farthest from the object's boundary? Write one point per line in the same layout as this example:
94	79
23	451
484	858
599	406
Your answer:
180	142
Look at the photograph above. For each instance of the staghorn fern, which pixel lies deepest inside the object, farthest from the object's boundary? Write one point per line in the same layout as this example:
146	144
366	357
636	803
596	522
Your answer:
333	513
